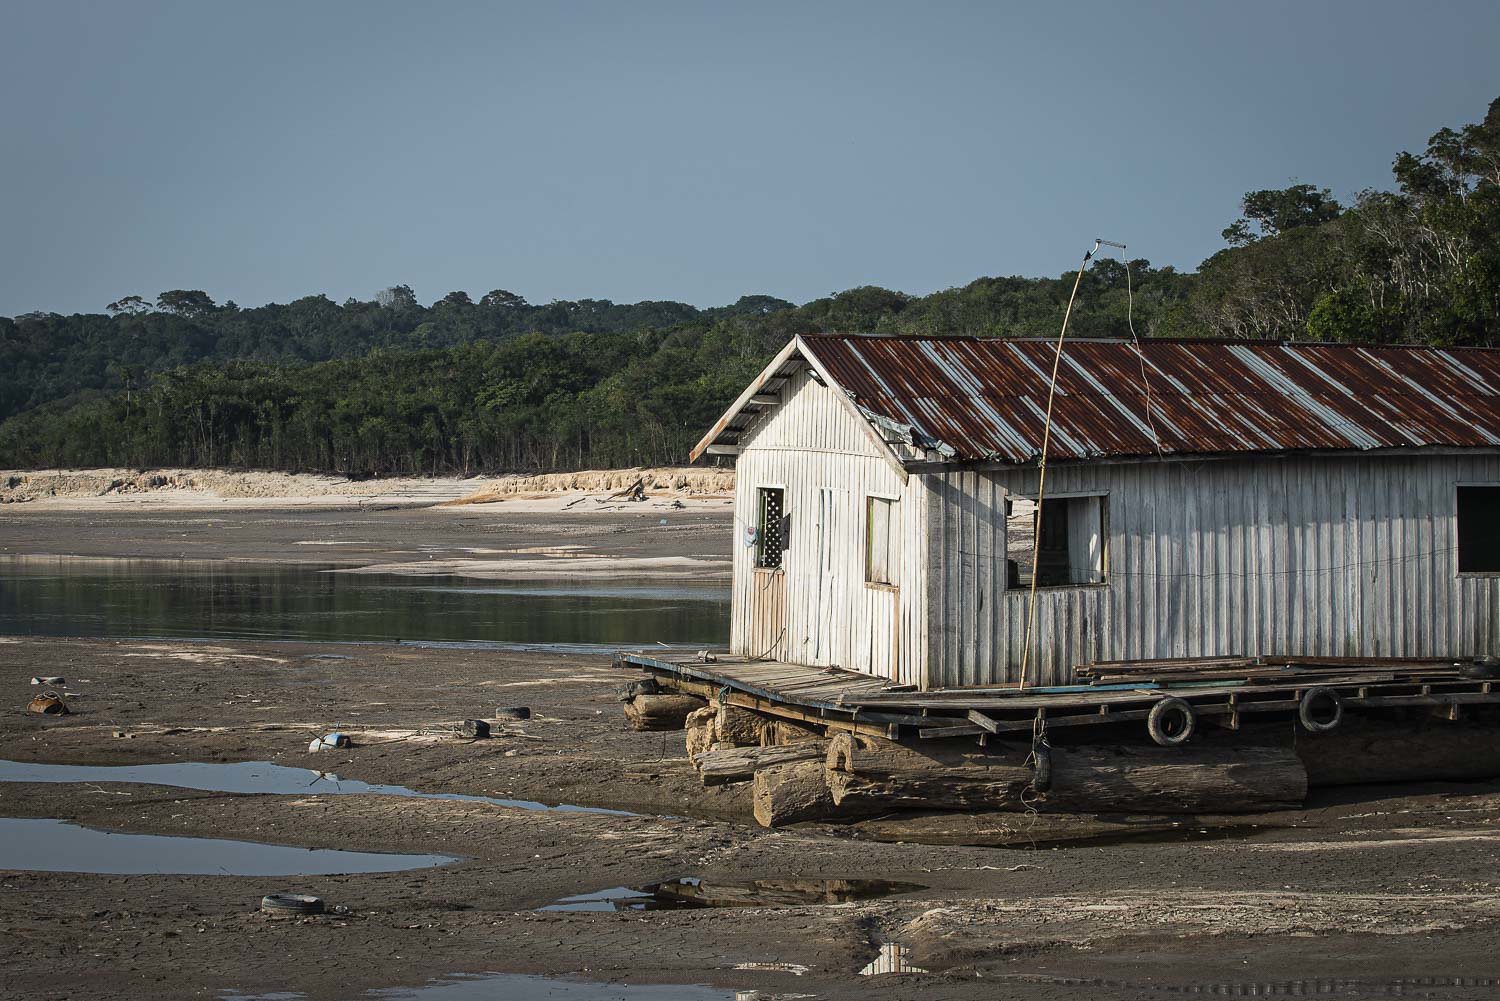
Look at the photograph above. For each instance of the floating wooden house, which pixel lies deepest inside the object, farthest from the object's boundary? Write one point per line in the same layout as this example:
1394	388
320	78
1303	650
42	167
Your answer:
1203	500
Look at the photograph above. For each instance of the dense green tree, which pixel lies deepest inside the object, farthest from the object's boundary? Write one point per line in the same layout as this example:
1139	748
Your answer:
185	302
1281	210
501	299
130	305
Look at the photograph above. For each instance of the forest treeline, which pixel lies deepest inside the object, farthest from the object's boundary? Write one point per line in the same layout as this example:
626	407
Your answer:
465	385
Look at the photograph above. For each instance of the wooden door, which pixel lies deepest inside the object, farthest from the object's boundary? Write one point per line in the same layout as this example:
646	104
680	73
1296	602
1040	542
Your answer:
767	614
822	590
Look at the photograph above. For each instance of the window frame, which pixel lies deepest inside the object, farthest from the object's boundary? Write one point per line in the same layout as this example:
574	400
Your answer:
1457	546
760	529
1059	495
892	531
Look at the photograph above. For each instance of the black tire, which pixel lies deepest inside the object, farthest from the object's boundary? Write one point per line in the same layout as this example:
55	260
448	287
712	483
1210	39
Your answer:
1171	722
513	712
1486	669
645	686
286	904
1320	710
1041	776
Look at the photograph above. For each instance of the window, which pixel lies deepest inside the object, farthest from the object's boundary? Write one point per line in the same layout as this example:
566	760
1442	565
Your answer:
1072	541
882	540
1479	529
772	528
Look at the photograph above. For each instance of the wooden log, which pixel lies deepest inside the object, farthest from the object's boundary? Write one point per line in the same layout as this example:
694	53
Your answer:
736	727
661	712
879	758
1174	780
867	773
792	794
700	731
1367	751
739	764
785	731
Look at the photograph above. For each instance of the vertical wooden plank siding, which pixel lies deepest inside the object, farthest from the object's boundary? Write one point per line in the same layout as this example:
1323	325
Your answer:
1332	556
811	447
1318	556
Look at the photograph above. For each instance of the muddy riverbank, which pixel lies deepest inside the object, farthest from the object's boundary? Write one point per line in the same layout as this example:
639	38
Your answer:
1368	891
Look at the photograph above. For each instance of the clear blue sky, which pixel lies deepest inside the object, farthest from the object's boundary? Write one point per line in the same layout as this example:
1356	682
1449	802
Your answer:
692	151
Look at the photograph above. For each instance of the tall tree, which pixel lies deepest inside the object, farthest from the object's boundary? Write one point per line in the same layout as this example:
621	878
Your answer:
185	302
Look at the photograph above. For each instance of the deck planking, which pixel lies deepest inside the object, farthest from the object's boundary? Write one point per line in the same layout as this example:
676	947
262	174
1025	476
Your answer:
848	699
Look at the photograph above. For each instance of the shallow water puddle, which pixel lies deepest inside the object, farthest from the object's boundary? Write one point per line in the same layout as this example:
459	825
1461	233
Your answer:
252	777
893	958
58	846
689	892
516	987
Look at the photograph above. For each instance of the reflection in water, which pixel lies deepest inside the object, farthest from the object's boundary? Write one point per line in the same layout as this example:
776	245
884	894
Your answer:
250	777
892	959
690	892
57	846
224	600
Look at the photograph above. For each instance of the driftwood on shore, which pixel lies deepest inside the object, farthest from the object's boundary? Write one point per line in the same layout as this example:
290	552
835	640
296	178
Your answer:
661	712
739	764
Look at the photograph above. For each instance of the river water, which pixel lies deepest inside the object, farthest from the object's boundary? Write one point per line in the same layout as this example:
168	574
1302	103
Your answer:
249	601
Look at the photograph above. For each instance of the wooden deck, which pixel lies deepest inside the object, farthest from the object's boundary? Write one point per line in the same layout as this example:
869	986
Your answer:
810	694
1224	691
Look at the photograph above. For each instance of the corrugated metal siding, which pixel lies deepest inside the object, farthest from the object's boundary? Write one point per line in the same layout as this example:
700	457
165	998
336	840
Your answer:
1328	556
813	448
987	397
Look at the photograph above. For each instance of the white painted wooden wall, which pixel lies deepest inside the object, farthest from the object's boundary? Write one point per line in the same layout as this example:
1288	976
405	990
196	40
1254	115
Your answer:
814	449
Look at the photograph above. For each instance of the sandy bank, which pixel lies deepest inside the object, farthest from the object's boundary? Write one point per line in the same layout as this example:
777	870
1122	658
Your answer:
528	538
562	566
196	489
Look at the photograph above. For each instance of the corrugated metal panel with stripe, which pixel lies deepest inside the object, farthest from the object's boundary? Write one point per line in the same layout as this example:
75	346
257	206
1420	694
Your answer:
987	397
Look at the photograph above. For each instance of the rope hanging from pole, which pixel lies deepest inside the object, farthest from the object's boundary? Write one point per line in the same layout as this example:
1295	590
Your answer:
1041	489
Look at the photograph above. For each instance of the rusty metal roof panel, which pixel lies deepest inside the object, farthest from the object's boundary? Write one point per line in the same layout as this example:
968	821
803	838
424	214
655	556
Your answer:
987	397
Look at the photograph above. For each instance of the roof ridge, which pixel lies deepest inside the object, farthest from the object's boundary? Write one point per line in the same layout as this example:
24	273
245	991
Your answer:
1206	341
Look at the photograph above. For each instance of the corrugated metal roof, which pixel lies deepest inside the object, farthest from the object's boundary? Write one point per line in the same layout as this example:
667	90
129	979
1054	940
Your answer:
987	397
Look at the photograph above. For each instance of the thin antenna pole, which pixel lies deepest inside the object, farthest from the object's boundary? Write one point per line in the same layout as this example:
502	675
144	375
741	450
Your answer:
1041	489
